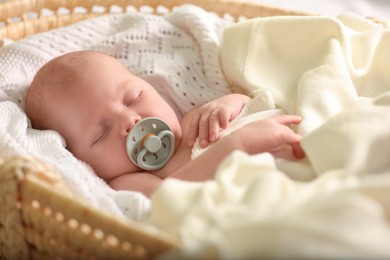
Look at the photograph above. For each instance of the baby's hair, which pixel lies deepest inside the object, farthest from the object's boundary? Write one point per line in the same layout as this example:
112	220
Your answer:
50	80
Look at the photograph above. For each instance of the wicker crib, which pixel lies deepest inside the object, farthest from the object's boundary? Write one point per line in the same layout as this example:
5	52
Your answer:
39	217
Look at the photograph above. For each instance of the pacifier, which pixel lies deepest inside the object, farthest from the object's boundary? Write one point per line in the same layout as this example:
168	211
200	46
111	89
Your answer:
150	144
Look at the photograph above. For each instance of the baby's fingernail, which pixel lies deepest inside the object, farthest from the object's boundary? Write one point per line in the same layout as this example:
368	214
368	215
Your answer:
203	143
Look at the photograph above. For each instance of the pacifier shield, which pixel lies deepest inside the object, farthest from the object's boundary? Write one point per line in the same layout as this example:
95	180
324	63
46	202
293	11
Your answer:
150	143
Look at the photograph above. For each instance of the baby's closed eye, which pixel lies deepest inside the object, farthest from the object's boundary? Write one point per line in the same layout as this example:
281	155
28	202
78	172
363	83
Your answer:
133	98
102	134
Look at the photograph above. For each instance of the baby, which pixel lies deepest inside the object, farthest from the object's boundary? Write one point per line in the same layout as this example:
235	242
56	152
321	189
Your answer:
93	101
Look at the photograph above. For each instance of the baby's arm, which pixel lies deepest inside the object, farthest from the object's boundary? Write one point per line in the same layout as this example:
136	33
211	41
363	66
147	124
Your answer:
256	137
213	116
269	134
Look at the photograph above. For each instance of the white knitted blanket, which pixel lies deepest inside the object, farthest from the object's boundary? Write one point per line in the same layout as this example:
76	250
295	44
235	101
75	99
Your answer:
176	53
335	73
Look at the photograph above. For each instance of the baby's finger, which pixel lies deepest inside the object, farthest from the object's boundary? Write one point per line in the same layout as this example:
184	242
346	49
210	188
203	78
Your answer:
297	150
203	130
214	126
288	119
224	118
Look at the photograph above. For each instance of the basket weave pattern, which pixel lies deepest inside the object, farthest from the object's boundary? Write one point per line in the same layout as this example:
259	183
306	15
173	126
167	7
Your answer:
16	14
39	217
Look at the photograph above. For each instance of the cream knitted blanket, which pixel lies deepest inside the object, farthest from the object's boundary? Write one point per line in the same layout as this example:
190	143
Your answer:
177	53
334	72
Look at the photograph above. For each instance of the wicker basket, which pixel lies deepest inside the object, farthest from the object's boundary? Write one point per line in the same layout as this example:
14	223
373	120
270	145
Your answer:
39	217
16	14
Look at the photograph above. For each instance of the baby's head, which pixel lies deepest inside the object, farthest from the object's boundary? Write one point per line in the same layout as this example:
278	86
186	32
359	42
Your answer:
93	101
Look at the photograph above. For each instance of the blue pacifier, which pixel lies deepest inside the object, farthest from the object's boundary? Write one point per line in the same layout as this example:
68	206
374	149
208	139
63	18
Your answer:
150	144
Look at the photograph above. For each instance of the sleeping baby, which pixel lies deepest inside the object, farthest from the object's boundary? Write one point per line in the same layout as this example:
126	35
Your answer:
119	124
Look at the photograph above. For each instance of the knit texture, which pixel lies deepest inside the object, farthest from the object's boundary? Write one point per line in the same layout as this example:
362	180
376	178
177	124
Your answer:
334	204
176	53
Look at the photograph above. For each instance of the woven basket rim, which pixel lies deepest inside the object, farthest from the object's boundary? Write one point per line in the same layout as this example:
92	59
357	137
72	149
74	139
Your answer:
19	176
25	25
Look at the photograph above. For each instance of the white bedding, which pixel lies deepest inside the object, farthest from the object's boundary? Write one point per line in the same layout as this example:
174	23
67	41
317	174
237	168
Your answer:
158	49
335	203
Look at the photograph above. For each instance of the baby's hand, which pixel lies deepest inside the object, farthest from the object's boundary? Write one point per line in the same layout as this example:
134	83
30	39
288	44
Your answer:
269	134
214	116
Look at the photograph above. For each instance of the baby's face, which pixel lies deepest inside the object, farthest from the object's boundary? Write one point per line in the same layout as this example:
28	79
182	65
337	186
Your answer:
97	113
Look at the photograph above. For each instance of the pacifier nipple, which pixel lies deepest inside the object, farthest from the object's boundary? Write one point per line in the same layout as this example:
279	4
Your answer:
150	144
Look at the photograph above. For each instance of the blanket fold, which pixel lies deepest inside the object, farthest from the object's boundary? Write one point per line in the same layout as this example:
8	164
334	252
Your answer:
334	72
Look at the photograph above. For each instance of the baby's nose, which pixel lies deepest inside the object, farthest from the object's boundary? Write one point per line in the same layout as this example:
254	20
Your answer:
129	124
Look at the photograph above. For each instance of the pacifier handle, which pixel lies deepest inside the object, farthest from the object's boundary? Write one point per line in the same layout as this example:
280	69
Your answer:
150	144
140	159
